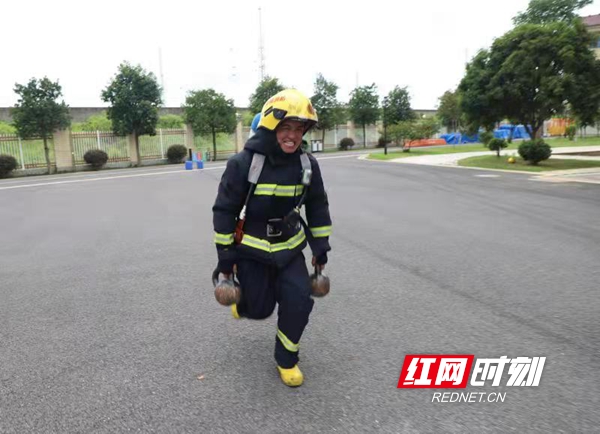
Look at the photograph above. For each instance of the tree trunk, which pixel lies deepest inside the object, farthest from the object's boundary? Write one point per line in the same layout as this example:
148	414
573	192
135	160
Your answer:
137	149
385	139
530	130
323	142
364	136
47	155
214	136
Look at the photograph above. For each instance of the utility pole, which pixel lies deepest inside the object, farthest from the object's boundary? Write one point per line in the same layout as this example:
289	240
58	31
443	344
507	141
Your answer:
160	72
261	48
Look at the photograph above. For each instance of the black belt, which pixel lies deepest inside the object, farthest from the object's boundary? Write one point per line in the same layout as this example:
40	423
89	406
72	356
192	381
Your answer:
275	229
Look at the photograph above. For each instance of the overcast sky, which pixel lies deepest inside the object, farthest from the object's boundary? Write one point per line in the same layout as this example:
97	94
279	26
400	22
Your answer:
422	44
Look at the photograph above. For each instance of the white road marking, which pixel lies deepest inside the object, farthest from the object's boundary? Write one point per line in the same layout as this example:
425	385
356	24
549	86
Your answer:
339	156
104	178
96	177
487	176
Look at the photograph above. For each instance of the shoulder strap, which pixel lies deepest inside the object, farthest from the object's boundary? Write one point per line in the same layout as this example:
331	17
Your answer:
306	169
258	161
305	161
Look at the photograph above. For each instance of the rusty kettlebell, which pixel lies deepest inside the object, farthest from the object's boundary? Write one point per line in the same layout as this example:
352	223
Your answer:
320	283
227	291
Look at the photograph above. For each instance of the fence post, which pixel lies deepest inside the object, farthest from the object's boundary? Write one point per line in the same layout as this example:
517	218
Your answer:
239	136
162	150
63	151
98	139
335	140
189	137
351	133
132	152
21	153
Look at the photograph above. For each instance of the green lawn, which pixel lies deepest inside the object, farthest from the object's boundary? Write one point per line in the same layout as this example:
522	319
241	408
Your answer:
477	147
493	162
397	153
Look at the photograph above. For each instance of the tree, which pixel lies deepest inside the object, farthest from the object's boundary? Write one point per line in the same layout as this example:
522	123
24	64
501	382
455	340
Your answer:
134	96
396	107
404	132
209	112
549	11
326	104
38	113
423	128
364	107
401	131
496	145
530	74
449	112
265	90
475	102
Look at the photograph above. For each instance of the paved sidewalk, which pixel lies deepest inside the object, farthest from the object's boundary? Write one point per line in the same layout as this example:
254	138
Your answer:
591	176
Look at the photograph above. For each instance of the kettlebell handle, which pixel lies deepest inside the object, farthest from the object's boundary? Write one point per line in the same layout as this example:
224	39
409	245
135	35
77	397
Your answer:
215	277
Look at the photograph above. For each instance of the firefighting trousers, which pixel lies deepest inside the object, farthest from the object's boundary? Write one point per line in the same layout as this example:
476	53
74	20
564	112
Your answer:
263	286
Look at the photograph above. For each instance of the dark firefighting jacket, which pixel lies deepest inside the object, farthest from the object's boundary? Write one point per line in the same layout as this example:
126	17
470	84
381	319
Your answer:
277	192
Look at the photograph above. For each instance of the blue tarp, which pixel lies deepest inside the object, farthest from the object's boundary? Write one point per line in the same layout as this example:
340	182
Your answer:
519	131
503	132
457	138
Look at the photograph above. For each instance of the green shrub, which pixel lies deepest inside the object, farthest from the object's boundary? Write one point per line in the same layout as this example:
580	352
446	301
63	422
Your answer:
381	142
170	122
176	153
497	145
97	122
96	158
6	128
8	163
486	137
570	132
346	143
534	151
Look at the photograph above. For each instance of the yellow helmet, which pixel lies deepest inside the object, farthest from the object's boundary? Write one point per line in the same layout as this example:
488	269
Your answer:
288	104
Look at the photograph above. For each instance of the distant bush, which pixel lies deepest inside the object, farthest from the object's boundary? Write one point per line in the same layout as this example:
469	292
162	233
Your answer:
176	153
346	143
170	122
96	158
497	145
381	142
534	151
8	163
485	137
570	132
98	122
6	128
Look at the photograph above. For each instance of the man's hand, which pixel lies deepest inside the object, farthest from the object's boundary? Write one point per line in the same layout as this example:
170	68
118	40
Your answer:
229	276
318	267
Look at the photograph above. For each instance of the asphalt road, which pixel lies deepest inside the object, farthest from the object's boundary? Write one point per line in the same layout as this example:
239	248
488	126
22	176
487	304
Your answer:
108	322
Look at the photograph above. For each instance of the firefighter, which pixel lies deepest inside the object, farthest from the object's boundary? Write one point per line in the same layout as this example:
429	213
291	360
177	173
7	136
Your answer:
259	231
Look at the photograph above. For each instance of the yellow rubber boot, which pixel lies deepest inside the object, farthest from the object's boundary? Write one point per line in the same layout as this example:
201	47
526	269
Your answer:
234	311
291	377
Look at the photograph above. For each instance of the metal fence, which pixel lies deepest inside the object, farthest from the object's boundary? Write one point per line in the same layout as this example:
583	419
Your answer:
29	153
155	147
225	145
115	146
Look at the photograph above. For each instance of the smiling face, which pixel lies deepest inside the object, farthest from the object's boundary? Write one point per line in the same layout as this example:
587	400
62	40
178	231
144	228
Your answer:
289	135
